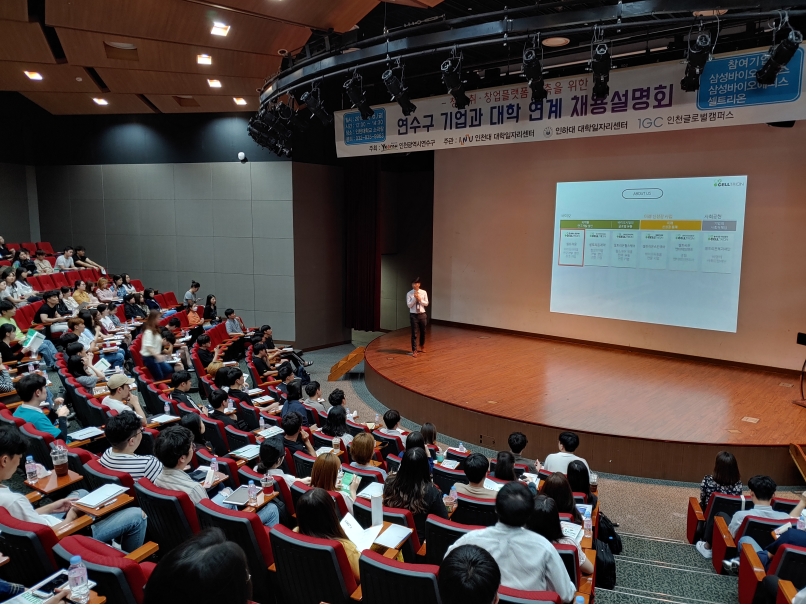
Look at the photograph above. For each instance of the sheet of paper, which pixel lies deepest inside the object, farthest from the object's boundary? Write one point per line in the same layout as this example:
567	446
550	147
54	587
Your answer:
248	452
452	464
362	538
163	418
87	433
373	489
393	535
493	485
103	494
270	432
573	531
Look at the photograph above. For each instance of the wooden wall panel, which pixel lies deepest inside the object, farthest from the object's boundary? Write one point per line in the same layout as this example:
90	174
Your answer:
340	15
14	10
160	82
24	42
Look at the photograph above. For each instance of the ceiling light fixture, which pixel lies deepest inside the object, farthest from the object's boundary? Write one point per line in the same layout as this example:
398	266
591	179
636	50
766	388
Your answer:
239	100
533	71
354	89
100	101
452	78
204	59
779	56
33	75
214	83
399	92
313	101
695	61
600	64
219	29
556	41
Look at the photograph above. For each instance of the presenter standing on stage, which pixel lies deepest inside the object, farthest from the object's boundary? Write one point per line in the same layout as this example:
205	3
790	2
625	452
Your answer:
417	301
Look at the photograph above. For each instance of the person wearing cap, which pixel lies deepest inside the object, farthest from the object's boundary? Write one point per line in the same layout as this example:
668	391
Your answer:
121	398
417	301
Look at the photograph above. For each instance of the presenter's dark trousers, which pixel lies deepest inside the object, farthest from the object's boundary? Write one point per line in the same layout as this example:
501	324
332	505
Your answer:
418	322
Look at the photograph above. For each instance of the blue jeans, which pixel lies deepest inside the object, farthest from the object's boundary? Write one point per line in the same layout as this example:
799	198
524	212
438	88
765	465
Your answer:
115	359
269	514
127	526
762	554
159	369
48	352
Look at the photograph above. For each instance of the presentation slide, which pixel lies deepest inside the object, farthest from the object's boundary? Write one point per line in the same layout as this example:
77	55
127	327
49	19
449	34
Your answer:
663	251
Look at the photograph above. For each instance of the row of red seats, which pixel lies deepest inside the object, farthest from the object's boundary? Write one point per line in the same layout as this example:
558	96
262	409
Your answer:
32	247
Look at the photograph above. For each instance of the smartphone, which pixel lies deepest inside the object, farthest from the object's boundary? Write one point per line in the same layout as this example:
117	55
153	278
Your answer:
346	480
49	587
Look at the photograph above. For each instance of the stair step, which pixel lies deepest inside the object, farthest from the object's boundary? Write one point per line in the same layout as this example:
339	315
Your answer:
678	584
680	554
631	595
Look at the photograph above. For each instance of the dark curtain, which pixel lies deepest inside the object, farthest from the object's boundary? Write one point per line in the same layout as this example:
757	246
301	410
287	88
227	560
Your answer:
363	257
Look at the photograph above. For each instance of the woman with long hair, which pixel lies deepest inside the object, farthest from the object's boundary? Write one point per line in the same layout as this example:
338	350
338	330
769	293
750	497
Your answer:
317	518
325	474
505	467
726	479
105	292
151	348
558	488
416	439
210	310
580	480
336	425
23	288
80	367
429	432
411	488
545	520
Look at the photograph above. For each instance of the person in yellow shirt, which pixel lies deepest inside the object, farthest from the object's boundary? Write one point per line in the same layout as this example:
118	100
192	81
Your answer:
80	294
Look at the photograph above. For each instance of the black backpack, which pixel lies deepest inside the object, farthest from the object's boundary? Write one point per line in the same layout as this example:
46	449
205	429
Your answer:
607	534
605	566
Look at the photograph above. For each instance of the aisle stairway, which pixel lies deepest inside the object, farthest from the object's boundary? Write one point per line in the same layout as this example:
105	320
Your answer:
655	570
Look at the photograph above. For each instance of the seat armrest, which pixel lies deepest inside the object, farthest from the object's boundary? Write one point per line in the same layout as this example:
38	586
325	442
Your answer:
269	383
67	528
786	591
751	573
145	551
695	519
421	552
586	598
33	497
357	596
722	544
4	559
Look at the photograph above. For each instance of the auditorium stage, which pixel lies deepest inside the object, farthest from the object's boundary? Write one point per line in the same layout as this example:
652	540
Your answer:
640	414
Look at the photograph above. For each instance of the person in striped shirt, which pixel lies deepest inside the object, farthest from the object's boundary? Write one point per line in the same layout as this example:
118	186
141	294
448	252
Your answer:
125	433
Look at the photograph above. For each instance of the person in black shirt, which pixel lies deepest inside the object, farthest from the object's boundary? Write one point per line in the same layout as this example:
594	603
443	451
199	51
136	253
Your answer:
285	375
180	381
206	354
235	382
262	362
5	252
296	439
7	352
131	309
47	314
210	310
218	400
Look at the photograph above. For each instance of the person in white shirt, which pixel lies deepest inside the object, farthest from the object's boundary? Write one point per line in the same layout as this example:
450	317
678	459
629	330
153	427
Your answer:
392	421
125	434
417	301
272	456
313	396
65	260
558	462
527	560
121	398
151	348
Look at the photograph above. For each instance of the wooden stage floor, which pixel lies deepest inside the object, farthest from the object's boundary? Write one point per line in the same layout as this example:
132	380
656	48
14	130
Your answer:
557	385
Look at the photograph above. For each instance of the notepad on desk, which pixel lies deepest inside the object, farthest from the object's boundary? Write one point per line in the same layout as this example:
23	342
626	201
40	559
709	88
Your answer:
362	538
452	464
493	485
247	452
270	432
573	531
324	450
97	498
393	535
163	418
251	392
87	433
264	399
373	489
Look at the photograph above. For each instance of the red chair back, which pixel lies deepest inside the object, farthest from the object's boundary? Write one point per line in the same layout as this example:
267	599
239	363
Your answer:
512	595
46	247
171	514
384	580
29	547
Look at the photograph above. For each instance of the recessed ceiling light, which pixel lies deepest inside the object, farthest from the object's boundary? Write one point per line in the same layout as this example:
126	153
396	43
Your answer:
219	29
239	100
556	41
282	52
204	59
99	101
33	75
214	83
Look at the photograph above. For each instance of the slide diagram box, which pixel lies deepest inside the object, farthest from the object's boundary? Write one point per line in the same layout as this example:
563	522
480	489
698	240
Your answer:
654	250
684	253
572	247
717	252
597	247
624	249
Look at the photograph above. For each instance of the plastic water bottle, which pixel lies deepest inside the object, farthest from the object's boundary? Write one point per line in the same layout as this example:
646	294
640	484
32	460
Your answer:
802	521
167	408
77	579
214	464
579	599
253	490
348	410
262	422
30	469
453	492
30	368
377	419
461	447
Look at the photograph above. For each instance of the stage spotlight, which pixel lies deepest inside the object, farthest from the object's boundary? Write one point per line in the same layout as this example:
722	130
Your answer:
357	96
600	64
780	55
695	62
313	101
398	91
533	71
452	78
274	123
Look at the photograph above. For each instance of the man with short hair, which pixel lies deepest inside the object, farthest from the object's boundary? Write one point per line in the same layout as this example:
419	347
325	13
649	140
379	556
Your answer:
762	489
272	456
234	324
293	404
469	574
313	396
262	361
181	383
417	301
517	443
81	260
47	314
121	398
218	401
42	265
65	260
174	449
337	397
476	467
207	354
33	391
526	559
127	526
392	421
46	348
285	375
296	439
125	433
558	462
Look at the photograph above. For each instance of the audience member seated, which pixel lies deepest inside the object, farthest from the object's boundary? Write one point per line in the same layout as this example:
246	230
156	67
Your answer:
80	367
579	478
272	456
476	467
105	292
42	264
762	489
469	574
81	260
337	397
91	338
262	362
127	527
174	449
126	284
22	260
68	301
151	348
207	354
313	396
411	488
124	433
211	310
218	401
296	439
429	432
10	352
317	518
6	384
190	299
526	559
293	404
10	293
336	425
194	424
505	467
181	384
33	392
23	289
131	309
286	376
545	520
46	348
193	318
80	294
517	443
391	420
5	251
234	324
362	450
207	568
121	398
558	488
726	479
325	474
65	260
416	439
558	462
